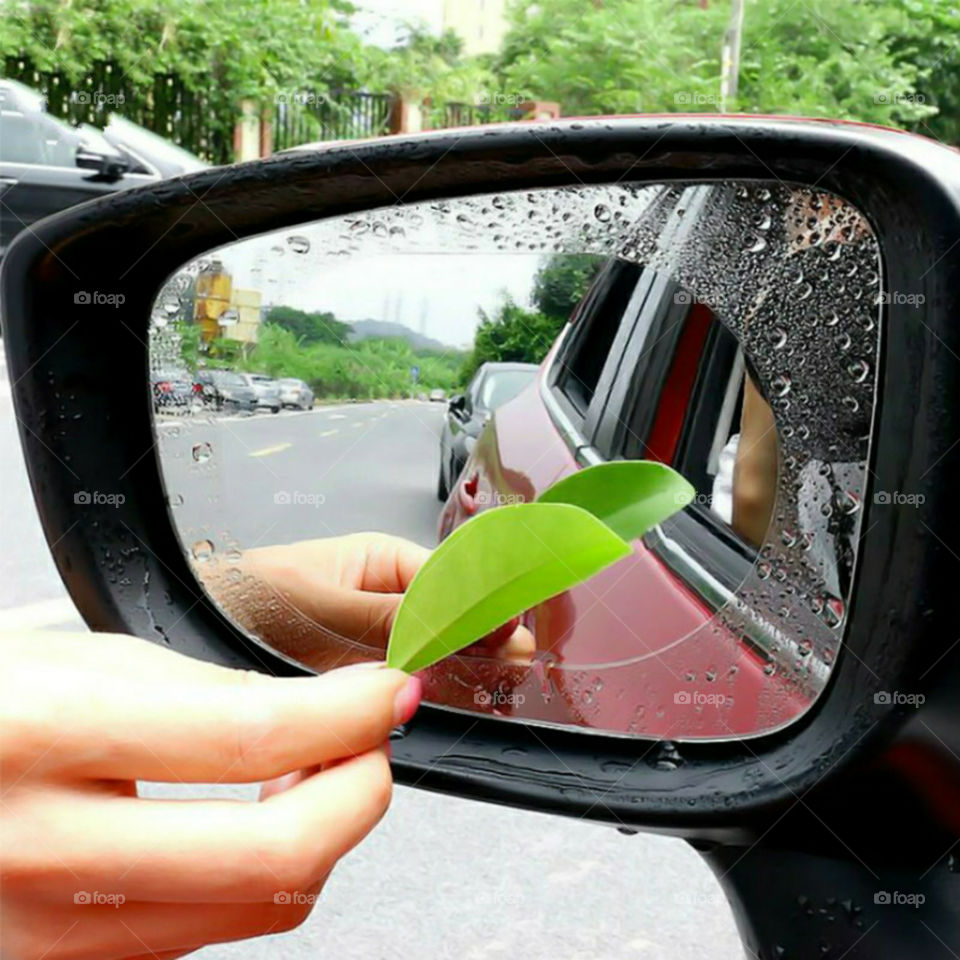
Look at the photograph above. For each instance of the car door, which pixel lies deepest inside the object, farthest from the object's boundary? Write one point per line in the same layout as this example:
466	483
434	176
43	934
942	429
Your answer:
38	172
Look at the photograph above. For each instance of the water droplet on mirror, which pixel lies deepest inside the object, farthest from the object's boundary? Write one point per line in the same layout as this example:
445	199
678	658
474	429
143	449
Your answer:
175	500
781	385
202	551
858	370
202	452
298	244
602	212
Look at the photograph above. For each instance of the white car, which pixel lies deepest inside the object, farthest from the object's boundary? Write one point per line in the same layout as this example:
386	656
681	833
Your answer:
267	390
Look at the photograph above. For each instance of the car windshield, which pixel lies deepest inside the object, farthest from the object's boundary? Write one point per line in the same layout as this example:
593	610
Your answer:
502	386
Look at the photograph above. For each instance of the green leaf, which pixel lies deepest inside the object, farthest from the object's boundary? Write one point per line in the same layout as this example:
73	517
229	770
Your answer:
629	496
492	568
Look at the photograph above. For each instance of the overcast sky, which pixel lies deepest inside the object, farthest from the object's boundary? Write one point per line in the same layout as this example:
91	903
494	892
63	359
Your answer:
378	19
438	294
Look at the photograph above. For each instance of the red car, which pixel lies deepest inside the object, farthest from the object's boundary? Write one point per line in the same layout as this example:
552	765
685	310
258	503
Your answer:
642	371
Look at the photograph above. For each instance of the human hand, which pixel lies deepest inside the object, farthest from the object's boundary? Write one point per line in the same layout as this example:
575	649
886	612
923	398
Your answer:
353	585
89	870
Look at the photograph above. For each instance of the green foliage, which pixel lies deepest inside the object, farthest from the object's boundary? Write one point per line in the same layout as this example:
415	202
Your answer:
309	327
893	62
364	370
515	334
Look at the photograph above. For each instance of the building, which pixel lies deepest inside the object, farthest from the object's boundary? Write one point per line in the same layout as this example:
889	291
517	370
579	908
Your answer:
481	24
224	311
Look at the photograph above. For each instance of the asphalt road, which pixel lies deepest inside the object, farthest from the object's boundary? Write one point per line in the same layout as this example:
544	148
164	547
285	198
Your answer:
440	877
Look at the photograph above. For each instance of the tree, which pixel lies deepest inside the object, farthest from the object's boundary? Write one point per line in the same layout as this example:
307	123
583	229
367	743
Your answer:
885	61
310	327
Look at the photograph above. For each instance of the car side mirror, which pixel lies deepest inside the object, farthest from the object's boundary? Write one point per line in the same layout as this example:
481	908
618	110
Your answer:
108	169
457	403
715	682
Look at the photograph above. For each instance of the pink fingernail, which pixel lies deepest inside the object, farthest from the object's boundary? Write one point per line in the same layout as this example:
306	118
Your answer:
407	700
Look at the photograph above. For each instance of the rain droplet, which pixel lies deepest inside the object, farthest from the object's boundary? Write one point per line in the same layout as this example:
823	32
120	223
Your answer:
602	212
202	551
298	244
202	452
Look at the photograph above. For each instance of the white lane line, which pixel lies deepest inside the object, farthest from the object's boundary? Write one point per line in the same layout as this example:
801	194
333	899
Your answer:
329	433
337	416
33	616
267	451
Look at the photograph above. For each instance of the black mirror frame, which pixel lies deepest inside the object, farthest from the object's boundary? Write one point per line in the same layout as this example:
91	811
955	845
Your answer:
79	377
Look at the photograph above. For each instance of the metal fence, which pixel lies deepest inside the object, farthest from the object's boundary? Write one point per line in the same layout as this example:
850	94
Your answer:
336	115
203	123
197	122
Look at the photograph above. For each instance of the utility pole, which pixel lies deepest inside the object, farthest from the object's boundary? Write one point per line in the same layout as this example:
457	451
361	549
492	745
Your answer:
730	57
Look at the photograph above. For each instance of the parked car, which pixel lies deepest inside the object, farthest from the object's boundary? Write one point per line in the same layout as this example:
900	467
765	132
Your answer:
467	414
295	393
224	389
437	395
173	388
267	390
47	165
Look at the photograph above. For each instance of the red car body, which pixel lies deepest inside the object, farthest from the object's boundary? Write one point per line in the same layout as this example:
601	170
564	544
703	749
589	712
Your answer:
635	631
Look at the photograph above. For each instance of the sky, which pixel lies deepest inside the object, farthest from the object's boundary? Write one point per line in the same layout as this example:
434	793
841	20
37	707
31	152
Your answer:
377	18
438	294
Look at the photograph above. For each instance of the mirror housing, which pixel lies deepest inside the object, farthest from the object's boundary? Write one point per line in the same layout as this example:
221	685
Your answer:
457	403
108	168
908	187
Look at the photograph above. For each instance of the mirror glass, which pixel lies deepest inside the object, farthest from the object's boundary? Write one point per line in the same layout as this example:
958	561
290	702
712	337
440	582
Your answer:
398	371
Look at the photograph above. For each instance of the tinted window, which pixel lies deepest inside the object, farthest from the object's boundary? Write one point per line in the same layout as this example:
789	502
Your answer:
603	312
503	385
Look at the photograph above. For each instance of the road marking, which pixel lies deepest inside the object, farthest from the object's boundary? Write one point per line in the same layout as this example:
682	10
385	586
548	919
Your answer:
266	451
329	433
337	416
32	616
359	423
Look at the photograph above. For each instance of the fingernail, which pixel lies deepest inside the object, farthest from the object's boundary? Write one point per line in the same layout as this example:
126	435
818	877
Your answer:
407	700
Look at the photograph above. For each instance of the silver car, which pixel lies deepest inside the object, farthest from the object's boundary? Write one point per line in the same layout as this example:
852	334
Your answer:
295	393
266	389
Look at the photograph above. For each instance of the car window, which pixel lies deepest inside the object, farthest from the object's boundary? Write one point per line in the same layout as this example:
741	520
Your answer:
503	385
35	138
226	379
604	311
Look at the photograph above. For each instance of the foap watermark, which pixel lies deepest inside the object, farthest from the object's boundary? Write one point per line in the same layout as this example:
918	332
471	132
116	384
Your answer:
693	98
305	98
497	698
502	98
298	498
892	96
98	99
96	498
497	499
697	698
683	498
897	498
896	698
294	898
94	898
688	298
886	898
901	298
98	298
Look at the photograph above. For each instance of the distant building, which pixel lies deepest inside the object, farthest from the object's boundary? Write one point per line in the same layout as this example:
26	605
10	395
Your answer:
223	311
481	24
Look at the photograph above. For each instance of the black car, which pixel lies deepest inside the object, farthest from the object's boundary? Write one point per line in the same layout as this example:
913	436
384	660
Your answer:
47	166
467	414
224	389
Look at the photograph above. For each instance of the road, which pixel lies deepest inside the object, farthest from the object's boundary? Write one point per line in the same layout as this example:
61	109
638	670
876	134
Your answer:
440	877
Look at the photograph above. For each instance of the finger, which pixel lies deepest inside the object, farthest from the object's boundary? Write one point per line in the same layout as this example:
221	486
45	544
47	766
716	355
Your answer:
281	784
202	851
390	563
519	646
202	723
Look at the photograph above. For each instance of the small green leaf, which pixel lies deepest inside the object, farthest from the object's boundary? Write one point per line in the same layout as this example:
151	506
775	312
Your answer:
492	568
629	496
